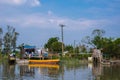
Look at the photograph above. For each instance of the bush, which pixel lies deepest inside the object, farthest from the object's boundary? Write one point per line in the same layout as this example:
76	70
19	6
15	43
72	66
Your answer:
78	56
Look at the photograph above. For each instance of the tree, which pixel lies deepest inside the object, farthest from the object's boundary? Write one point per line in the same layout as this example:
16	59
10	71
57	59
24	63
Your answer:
108	48
98	32
14	39
117	47
96	39
69	48
7	40
10	39
1	32
56	46
87	40
52	42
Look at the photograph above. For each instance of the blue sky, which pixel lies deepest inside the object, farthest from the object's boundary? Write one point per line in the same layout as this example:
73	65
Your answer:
38	20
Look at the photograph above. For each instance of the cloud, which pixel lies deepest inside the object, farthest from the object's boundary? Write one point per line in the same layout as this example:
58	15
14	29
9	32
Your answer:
35	2
12	2
50	13
21	2
52	22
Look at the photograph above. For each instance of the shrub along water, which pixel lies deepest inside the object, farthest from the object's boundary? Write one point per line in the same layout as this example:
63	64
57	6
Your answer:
72	58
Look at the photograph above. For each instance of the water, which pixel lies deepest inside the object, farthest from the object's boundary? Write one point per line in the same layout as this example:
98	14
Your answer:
65	71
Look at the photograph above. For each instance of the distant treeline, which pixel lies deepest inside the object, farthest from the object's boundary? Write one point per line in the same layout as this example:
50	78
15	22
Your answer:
110	47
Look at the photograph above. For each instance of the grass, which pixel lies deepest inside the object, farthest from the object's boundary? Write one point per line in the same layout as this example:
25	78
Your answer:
3	57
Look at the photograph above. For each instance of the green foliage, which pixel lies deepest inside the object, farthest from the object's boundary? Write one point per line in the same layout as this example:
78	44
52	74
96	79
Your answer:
77	49
17	53
3	57
55	57
50	41
53	45
56	46
83	56
96	39
1	32
97	42
69	48
10	39
83	49
112	47
98	32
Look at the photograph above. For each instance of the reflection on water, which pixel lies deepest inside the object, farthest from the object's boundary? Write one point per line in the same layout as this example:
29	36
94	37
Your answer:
6	70
97	71
65	71
110	72
26	71
106	72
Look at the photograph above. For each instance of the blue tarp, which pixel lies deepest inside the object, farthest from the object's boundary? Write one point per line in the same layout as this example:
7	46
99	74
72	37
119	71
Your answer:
29	47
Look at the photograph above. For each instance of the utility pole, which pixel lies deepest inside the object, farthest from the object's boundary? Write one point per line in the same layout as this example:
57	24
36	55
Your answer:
62	25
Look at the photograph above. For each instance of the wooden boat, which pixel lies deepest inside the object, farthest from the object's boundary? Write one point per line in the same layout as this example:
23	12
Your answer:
11	59
52	61
115	62
105	62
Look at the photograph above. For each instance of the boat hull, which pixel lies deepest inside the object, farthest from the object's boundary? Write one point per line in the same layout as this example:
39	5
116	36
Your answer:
44	65
56	61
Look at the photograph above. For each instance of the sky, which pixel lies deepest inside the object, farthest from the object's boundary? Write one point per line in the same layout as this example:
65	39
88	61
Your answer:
38	20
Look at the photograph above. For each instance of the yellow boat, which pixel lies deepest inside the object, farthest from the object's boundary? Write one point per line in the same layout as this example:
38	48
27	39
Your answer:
52	61
44	65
